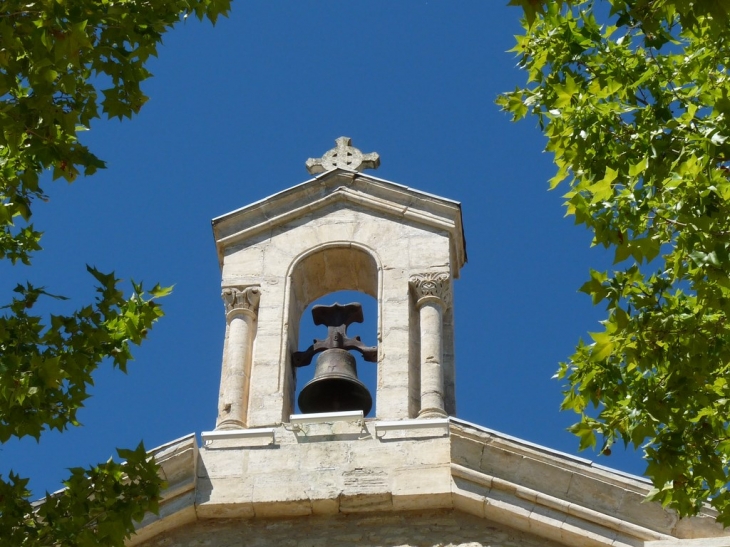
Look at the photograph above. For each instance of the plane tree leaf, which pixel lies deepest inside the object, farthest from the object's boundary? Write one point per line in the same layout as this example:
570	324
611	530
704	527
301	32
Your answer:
64	65
633	97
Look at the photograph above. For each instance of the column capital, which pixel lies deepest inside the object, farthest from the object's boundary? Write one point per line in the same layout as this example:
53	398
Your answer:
431	286
241	300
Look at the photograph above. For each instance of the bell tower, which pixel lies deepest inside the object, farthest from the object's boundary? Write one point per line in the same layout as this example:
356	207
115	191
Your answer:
341	230
412	475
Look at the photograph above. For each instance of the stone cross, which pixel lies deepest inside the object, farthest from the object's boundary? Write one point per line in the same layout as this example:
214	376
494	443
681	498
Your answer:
344	156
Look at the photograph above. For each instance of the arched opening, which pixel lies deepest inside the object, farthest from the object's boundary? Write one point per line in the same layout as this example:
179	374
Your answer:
367	330
335	272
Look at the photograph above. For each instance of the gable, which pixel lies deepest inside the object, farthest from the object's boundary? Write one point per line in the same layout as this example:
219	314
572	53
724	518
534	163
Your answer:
338	188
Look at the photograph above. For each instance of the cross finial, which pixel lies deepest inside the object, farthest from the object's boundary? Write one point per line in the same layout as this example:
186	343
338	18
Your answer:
344	156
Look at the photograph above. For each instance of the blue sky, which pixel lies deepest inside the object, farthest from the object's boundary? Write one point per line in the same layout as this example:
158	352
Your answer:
234	112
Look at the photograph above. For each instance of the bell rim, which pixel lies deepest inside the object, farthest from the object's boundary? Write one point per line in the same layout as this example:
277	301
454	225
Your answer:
349	379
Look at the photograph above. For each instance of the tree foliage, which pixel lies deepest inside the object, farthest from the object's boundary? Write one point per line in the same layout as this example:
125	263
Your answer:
62	65
634	99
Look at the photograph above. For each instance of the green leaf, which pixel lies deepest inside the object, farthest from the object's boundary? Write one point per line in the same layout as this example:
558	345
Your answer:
54	56
585	434
638	168
158	292
638	114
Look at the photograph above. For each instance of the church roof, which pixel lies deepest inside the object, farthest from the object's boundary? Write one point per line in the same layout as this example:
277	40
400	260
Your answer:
447	464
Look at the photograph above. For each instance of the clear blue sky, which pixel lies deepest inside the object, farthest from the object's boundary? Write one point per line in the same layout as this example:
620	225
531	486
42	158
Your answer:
234	113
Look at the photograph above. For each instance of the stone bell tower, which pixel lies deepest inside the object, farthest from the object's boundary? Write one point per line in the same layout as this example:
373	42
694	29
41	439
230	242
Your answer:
342	230
413	475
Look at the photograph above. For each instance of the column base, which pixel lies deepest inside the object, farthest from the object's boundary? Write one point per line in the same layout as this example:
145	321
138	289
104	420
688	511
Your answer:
432	413
230	424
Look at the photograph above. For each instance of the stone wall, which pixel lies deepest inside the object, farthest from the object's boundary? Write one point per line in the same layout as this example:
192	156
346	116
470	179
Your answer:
421	529
330	250
326	468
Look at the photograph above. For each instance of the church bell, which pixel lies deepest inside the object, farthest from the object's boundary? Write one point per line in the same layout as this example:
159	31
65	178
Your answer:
335	386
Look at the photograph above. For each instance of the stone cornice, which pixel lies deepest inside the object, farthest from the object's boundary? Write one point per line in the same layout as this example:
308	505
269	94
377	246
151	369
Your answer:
378	195
556	498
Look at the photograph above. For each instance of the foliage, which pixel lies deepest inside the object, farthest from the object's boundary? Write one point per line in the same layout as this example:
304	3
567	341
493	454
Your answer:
97	506
634	99
44	373
62	65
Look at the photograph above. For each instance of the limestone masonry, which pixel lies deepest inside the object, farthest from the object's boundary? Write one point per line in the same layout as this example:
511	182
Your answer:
414	475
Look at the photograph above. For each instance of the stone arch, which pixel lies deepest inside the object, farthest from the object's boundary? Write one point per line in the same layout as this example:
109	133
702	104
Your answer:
316	272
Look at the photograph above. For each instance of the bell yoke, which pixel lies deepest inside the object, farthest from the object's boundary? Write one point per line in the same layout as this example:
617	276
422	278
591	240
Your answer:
335	386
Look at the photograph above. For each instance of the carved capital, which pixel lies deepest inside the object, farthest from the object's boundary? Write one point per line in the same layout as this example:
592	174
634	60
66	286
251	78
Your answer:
431	286
241	299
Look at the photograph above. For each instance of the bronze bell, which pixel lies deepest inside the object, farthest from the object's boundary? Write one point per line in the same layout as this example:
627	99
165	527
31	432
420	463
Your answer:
335	386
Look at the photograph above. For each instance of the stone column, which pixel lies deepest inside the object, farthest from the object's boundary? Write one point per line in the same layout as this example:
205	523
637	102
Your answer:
241	310
433	295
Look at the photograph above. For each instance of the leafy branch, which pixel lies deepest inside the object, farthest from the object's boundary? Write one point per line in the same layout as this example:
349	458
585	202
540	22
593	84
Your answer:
639	133
63	66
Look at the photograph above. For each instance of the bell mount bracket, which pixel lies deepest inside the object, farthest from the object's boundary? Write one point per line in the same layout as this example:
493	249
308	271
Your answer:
336	318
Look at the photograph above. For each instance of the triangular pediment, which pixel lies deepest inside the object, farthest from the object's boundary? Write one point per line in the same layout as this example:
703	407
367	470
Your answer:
346	188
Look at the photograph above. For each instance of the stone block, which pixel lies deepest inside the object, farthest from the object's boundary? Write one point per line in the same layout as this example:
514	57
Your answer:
267	460
277	257
501	463
396	372
325	506
222	463
634	508
365	503
575	531
421	488
277	486
433	451
369	453
702	526
173	514
594	494
243	263
427	252
546	523
392	402
467	452
466	500
294	508
223	498
366	480
177	467
509	514
268	331
265	409
372	231
332	228
544	477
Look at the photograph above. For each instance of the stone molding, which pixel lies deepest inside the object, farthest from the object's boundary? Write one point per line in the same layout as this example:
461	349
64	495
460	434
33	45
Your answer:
557	505
241	300
378	195
431	286
419	473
